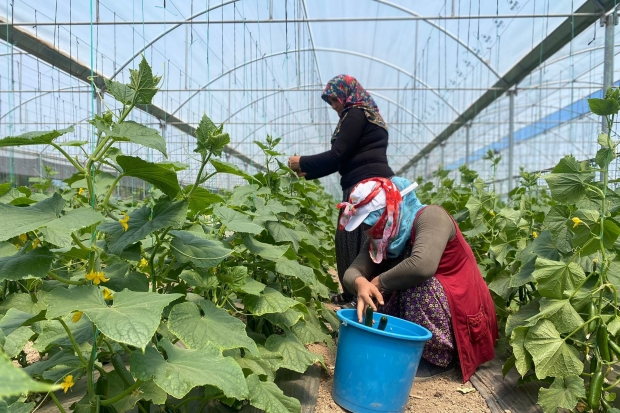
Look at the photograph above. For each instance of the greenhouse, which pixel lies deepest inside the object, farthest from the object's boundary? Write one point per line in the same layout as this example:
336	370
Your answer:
237	205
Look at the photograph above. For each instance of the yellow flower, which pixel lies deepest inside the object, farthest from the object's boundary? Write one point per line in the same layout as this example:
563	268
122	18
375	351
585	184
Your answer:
67	383
23	238
35	243
96	277
143	262
535	234
124	221
492	213
76	316
107	294
80	191
576	221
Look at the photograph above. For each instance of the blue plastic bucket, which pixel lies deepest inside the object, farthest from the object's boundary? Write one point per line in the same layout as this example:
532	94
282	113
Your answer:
375	369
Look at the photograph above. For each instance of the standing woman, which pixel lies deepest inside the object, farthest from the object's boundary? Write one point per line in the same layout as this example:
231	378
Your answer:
359	146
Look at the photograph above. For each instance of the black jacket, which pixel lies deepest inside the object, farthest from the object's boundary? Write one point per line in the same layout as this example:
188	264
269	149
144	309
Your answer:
358	152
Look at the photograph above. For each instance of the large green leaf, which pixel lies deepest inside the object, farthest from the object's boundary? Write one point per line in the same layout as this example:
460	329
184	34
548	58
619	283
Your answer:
132	319
58	232
34	138
147	391
282	233
545	247
295	356
19	220
215	327
201	252
130	131
501	247
523	359
165	214
268	397
202	199
266	251
120	278
13	319
286	319
143	83
236	221
293	268
564	392
16	382
16	407
185	369
162	177
65	359
309	333
269	301
567	181
556	279
603	107
550	353
32	264
53	333
15	342
561	313
229	168
252	287
120	91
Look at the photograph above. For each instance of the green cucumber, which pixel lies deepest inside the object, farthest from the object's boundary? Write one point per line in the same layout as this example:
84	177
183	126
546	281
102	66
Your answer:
614	348
382	323
602	341
368	321
596	388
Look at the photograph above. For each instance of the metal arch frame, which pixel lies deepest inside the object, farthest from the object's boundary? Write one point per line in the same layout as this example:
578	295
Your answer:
39	96
558	38
165	32
301	110
449	34
320	49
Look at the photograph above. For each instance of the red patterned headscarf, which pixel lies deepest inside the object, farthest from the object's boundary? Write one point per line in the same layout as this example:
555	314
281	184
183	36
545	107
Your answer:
387	226
351	94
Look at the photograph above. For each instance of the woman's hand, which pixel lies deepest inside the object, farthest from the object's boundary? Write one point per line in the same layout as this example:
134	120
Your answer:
293	163
366	291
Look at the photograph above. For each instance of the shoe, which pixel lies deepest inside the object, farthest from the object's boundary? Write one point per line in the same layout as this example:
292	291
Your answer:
427	370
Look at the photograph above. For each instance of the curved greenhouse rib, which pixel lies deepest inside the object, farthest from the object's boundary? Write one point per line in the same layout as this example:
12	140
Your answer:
165	32
319	49
441	29
41	95
302	110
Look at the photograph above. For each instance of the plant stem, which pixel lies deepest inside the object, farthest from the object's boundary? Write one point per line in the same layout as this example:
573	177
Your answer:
614	384
64	280
151	260
596	317
75	344
107	196
79	242
57	403
69	158
197	182
120	396
89	372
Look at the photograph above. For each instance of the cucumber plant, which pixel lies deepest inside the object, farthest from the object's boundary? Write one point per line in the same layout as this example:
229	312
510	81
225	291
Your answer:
183	291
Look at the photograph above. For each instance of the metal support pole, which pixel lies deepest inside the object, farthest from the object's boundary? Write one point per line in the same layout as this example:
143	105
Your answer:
443	155
426	166
511	136
467	128
608	63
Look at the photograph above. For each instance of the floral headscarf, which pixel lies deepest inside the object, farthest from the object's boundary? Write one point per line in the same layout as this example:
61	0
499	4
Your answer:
351	94
407	210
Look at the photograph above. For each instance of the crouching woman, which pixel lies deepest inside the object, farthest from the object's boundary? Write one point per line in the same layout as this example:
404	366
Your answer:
418	267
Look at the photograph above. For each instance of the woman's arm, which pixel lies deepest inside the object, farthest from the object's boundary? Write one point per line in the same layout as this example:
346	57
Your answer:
362	266
433	229
347	141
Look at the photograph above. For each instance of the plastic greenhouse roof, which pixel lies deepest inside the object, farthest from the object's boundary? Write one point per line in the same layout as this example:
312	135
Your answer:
260	67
